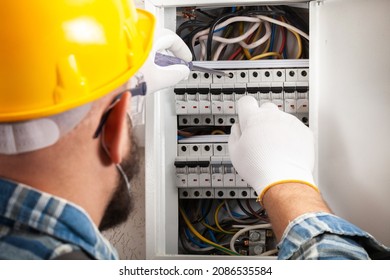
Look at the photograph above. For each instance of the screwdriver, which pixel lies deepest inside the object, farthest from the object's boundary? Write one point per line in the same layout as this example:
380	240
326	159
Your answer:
166	60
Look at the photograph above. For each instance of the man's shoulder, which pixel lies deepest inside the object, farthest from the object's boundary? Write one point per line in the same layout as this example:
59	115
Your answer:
32	245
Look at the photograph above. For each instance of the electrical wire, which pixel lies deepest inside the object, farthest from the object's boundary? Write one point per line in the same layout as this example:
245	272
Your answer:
217	222
257	214
242	221
204	213
299	43
192	239
205	13
244	210
268	54
210	227
211	233
246	229
218	132
242	42
210	35
204	34
197	234
284	39
284	24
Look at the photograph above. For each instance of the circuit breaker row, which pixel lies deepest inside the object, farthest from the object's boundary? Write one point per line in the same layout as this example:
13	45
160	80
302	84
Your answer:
207	120
251	76
221	99
219	193
207	172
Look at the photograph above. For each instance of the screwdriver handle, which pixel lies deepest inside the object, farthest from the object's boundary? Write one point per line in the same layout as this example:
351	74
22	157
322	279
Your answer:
165	60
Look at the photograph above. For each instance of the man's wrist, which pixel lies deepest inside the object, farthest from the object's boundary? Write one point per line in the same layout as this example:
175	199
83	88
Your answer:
287	201
284	182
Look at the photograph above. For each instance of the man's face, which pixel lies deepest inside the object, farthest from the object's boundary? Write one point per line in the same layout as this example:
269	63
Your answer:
120	205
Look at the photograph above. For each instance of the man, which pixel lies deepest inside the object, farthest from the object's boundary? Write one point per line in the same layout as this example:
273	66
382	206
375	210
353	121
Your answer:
66	149
274	152
66	154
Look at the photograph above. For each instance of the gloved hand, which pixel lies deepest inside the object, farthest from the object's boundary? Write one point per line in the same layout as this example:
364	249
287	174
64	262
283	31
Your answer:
269	147
158	77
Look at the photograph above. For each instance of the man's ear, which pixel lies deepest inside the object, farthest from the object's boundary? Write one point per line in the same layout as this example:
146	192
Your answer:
116	129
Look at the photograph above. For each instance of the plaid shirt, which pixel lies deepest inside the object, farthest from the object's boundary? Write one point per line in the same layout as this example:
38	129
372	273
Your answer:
37	225
322	236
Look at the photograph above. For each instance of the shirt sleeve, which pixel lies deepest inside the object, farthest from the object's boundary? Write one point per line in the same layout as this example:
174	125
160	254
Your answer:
321	235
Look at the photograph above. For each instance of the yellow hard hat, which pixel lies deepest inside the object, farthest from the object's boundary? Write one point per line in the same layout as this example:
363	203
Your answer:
56	55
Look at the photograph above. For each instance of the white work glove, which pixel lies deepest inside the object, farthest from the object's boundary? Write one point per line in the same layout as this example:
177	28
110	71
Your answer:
160	77
269	147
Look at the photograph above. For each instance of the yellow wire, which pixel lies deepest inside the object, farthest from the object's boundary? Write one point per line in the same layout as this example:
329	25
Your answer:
217	132
201	237
268	54
267	46
299	41
217	222
241	56
256	36
210	227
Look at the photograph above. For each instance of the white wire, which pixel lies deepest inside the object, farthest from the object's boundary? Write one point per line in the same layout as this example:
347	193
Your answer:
261	41
243	44
252	29
203	35
218	51
202	50
225	41
223	24
284	24
241	231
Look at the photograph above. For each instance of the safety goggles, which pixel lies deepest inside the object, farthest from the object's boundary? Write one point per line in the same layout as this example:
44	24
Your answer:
138	90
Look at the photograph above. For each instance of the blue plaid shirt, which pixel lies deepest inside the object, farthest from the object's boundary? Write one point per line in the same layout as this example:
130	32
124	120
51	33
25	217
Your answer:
322	236
37	225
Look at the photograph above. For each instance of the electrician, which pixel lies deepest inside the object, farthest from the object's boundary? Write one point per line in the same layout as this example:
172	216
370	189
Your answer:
274	152
66	148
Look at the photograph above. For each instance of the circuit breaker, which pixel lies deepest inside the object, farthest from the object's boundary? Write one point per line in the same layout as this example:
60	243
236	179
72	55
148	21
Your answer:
206	104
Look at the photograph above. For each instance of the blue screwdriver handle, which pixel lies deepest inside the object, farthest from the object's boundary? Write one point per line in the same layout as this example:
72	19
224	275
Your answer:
166	60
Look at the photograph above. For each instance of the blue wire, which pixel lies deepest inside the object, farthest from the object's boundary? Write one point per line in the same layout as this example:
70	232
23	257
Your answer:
236	214
285	50
211	233
234	9
192	239
271	46
212	236
220	29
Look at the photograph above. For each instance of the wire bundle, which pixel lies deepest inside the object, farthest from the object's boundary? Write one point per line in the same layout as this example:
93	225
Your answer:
245	33
199	236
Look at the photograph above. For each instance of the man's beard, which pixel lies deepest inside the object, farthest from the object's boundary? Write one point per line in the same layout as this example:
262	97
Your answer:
121	203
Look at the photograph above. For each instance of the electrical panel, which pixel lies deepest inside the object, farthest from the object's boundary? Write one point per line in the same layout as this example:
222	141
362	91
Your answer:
206	202
206	109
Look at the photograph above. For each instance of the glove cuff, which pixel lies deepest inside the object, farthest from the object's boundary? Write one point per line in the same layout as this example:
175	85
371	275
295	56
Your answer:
261	195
